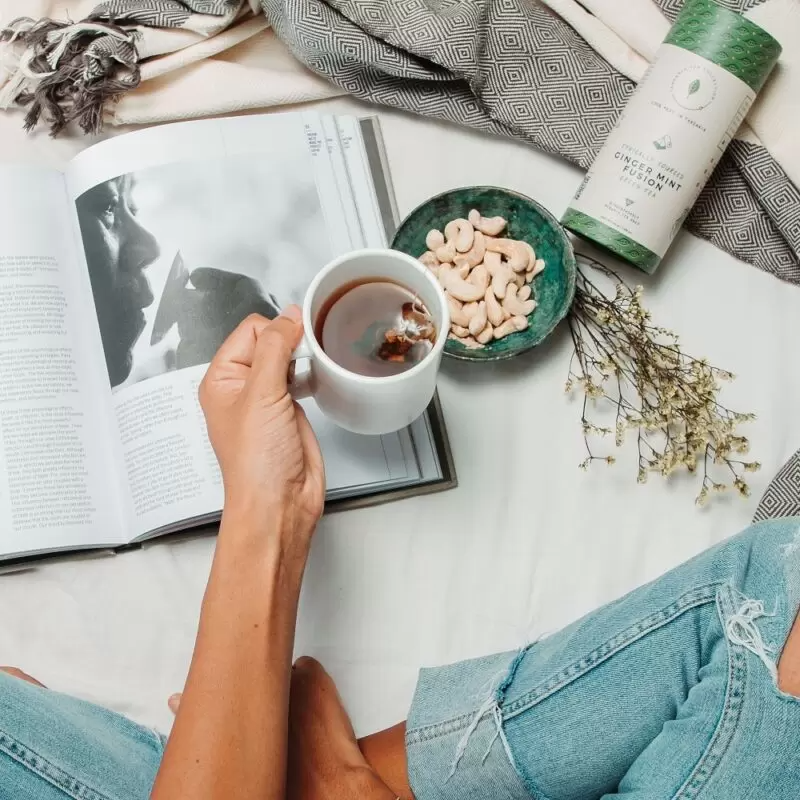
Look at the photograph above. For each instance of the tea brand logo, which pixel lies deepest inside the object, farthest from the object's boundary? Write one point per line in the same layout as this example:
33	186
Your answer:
694	88
664	143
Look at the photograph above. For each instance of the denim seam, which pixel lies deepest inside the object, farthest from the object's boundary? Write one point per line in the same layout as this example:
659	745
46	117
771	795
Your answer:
692	599
48	771
439	729
731	710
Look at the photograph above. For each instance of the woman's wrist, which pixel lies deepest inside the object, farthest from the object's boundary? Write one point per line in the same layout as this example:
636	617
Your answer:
265	529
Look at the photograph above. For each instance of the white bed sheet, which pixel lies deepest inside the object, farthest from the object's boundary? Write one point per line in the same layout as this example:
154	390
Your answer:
527	542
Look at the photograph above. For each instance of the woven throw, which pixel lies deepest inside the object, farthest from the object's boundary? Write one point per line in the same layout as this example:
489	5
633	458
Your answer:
553	73
782	497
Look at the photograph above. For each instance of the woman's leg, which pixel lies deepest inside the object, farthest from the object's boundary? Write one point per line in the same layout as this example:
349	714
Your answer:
385	752
324	759
789	664
665	693
53	747
669	691
692	655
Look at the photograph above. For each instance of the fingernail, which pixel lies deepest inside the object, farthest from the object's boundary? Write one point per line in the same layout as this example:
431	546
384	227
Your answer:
173	702
292	312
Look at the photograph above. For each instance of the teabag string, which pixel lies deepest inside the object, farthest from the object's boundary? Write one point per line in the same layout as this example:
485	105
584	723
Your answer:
415	326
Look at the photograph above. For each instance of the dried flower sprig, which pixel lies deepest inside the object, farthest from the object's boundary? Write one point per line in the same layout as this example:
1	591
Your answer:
668	398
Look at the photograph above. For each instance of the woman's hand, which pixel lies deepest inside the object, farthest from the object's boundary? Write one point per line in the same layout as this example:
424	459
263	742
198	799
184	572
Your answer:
270	459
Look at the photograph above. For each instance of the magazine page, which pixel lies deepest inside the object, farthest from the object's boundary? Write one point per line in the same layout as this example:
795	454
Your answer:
202	223
361	181
58	486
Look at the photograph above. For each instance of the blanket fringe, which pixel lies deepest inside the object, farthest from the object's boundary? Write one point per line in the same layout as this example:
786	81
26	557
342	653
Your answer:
66	72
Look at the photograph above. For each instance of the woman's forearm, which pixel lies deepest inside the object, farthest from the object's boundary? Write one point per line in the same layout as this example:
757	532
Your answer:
229	738
230	735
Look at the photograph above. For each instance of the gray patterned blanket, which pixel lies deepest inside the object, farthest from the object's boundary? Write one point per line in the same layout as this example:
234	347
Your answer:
543	71
782	497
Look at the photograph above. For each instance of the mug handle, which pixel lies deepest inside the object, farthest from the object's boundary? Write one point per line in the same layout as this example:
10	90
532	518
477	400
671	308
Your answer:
300	385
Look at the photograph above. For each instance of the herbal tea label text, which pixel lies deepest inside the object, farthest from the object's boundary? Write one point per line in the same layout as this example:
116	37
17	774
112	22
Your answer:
644	184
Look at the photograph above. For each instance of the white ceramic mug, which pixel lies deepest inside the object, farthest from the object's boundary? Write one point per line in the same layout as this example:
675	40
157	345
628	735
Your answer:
360	403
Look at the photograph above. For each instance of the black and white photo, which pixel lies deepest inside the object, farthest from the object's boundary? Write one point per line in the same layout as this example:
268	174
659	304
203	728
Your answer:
179	254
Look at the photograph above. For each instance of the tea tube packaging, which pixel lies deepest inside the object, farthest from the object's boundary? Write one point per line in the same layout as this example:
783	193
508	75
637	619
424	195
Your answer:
673	131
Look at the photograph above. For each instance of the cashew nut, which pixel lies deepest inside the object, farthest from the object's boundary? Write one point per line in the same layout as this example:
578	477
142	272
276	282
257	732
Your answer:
470	310
459	331
531	255
460	289
500	280
462	267
524	293
476	253
446	252
451	230
444	270
501	273
491	226
478	321
470	343
429	260
492	261
519	279
537	267
485	336
493	310
517	307
457	315
479	277
514	251
460	233
434	239
511	326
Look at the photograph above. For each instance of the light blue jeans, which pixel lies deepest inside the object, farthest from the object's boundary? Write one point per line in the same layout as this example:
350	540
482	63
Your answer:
666	694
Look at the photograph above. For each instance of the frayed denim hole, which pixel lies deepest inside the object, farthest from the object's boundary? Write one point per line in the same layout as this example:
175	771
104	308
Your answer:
491	708
741	629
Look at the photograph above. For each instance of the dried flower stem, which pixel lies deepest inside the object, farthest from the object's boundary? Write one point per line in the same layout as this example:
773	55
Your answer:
668	397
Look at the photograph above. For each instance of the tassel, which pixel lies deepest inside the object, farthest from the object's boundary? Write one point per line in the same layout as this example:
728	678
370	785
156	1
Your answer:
69	72
14	76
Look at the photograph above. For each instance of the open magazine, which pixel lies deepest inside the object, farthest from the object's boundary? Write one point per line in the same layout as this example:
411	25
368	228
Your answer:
120	277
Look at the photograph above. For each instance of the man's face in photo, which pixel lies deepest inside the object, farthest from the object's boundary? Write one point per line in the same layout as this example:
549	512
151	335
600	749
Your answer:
118	250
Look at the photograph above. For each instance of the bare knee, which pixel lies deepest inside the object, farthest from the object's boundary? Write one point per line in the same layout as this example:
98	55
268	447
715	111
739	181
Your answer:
307	668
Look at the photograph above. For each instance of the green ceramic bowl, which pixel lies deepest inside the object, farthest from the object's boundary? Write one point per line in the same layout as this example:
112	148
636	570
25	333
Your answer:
553	289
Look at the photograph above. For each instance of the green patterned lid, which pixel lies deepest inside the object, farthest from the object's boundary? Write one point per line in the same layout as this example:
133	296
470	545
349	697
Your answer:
727	39
607	238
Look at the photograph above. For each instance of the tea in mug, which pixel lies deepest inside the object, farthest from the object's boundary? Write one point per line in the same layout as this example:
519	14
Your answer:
375	328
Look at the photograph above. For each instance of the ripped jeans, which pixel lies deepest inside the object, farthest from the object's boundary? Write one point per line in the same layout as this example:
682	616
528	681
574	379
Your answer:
666	694
669	693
